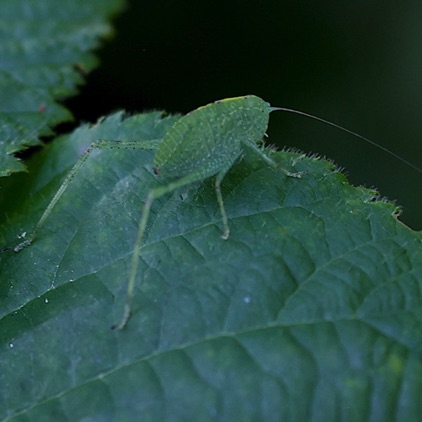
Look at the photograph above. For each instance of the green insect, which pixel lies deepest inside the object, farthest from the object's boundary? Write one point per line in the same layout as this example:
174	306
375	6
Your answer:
202	144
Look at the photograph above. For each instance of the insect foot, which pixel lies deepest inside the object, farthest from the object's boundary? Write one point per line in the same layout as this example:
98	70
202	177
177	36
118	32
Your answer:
22	245
297	175
18	247
225	235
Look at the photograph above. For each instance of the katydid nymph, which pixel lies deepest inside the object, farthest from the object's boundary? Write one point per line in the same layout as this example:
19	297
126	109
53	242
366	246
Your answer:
204	143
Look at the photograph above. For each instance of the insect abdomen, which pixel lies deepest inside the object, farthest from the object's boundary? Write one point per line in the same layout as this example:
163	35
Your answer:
211	136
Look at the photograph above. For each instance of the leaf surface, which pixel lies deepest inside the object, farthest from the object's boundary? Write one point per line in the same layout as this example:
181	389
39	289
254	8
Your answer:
311	310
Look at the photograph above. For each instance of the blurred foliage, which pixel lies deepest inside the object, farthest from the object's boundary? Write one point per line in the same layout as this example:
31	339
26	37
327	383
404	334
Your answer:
41	61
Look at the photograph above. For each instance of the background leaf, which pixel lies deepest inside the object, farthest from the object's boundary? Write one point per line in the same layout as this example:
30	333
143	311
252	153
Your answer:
309	311
44	50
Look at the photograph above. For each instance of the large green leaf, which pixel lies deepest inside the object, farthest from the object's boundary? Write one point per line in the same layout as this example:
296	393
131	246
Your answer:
311	310
44	48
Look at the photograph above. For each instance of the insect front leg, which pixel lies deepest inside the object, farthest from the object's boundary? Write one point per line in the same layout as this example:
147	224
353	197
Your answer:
271	162
226	229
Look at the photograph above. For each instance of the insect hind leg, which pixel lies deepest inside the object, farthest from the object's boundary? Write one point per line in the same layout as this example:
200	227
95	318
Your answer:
98	144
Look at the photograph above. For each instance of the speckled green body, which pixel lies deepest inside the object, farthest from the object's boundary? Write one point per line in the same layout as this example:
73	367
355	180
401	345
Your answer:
209	139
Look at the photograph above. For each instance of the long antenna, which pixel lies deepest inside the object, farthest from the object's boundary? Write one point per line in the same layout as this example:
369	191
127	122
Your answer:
289	110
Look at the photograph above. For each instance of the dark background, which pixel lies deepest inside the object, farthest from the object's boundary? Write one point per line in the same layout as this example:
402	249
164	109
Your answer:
357	63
